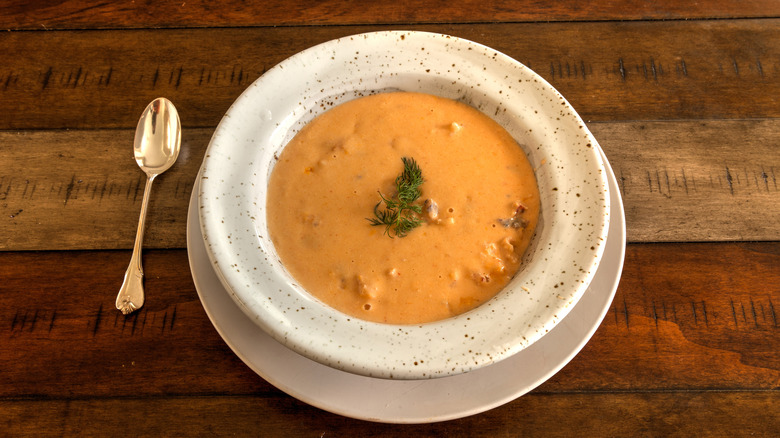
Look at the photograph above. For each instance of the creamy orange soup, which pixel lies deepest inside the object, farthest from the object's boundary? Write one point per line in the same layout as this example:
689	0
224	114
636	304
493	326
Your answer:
479	206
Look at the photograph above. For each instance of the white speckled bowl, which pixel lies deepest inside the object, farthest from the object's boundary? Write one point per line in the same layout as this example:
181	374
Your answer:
558	267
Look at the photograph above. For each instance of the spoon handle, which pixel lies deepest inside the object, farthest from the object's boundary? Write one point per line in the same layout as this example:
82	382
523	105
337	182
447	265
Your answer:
131	294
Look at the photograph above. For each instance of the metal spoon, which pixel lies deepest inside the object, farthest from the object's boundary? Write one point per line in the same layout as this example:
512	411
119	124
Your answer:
157	141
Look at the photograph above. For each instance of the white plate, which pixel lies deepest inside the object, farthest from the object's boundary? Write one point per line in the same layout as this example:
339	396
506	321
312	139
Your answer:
557	267
408	401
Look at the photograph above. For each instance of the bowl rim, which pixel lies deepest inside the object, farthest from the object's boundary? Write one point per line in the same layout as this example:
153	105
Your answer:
290	315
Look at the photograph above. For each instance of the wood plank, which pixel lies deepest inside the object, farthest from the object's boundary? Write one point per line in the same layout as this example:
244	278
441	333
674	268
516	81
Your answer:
83	14
83	190
674	176
608	70
702	180
694	413
686	314
686	317
85	347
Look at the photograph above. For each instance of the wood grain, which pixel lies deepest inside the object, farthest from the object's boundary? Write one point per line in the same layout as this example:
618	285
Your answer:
82	14
686	317
680	181
609	71
84	188
681	95
704	180
694	413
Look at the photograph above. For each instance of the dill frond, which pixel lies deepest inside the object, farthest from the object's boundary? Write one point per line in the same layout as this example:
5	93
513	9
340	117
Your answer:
397	215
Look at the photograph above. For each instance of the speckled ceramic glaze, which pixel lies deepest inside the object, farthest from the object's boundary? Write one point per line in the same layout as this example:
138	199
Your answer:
557	268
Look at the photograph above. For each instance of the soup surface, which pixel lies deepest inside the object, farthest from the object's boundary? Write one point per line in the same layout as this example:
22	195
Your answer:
478	208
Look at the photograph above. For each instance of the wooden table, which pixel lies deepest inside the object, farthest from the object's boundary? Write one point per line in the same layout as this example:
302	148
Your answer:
683	97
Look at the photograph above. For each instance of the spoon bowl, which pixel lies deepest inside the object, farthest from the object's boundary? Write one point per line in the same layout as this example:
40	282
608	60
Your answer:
156	148
157	137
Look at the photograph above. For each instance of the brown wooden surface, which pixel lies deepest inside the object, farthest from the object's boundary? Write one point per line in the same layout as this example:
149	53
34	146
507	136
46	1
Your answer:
609	71
692	413
682	97
82	14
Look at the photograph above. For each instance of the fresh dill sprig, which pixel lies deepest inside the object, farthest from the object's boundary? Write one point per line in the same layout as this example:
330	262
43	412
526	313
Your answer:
397	214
